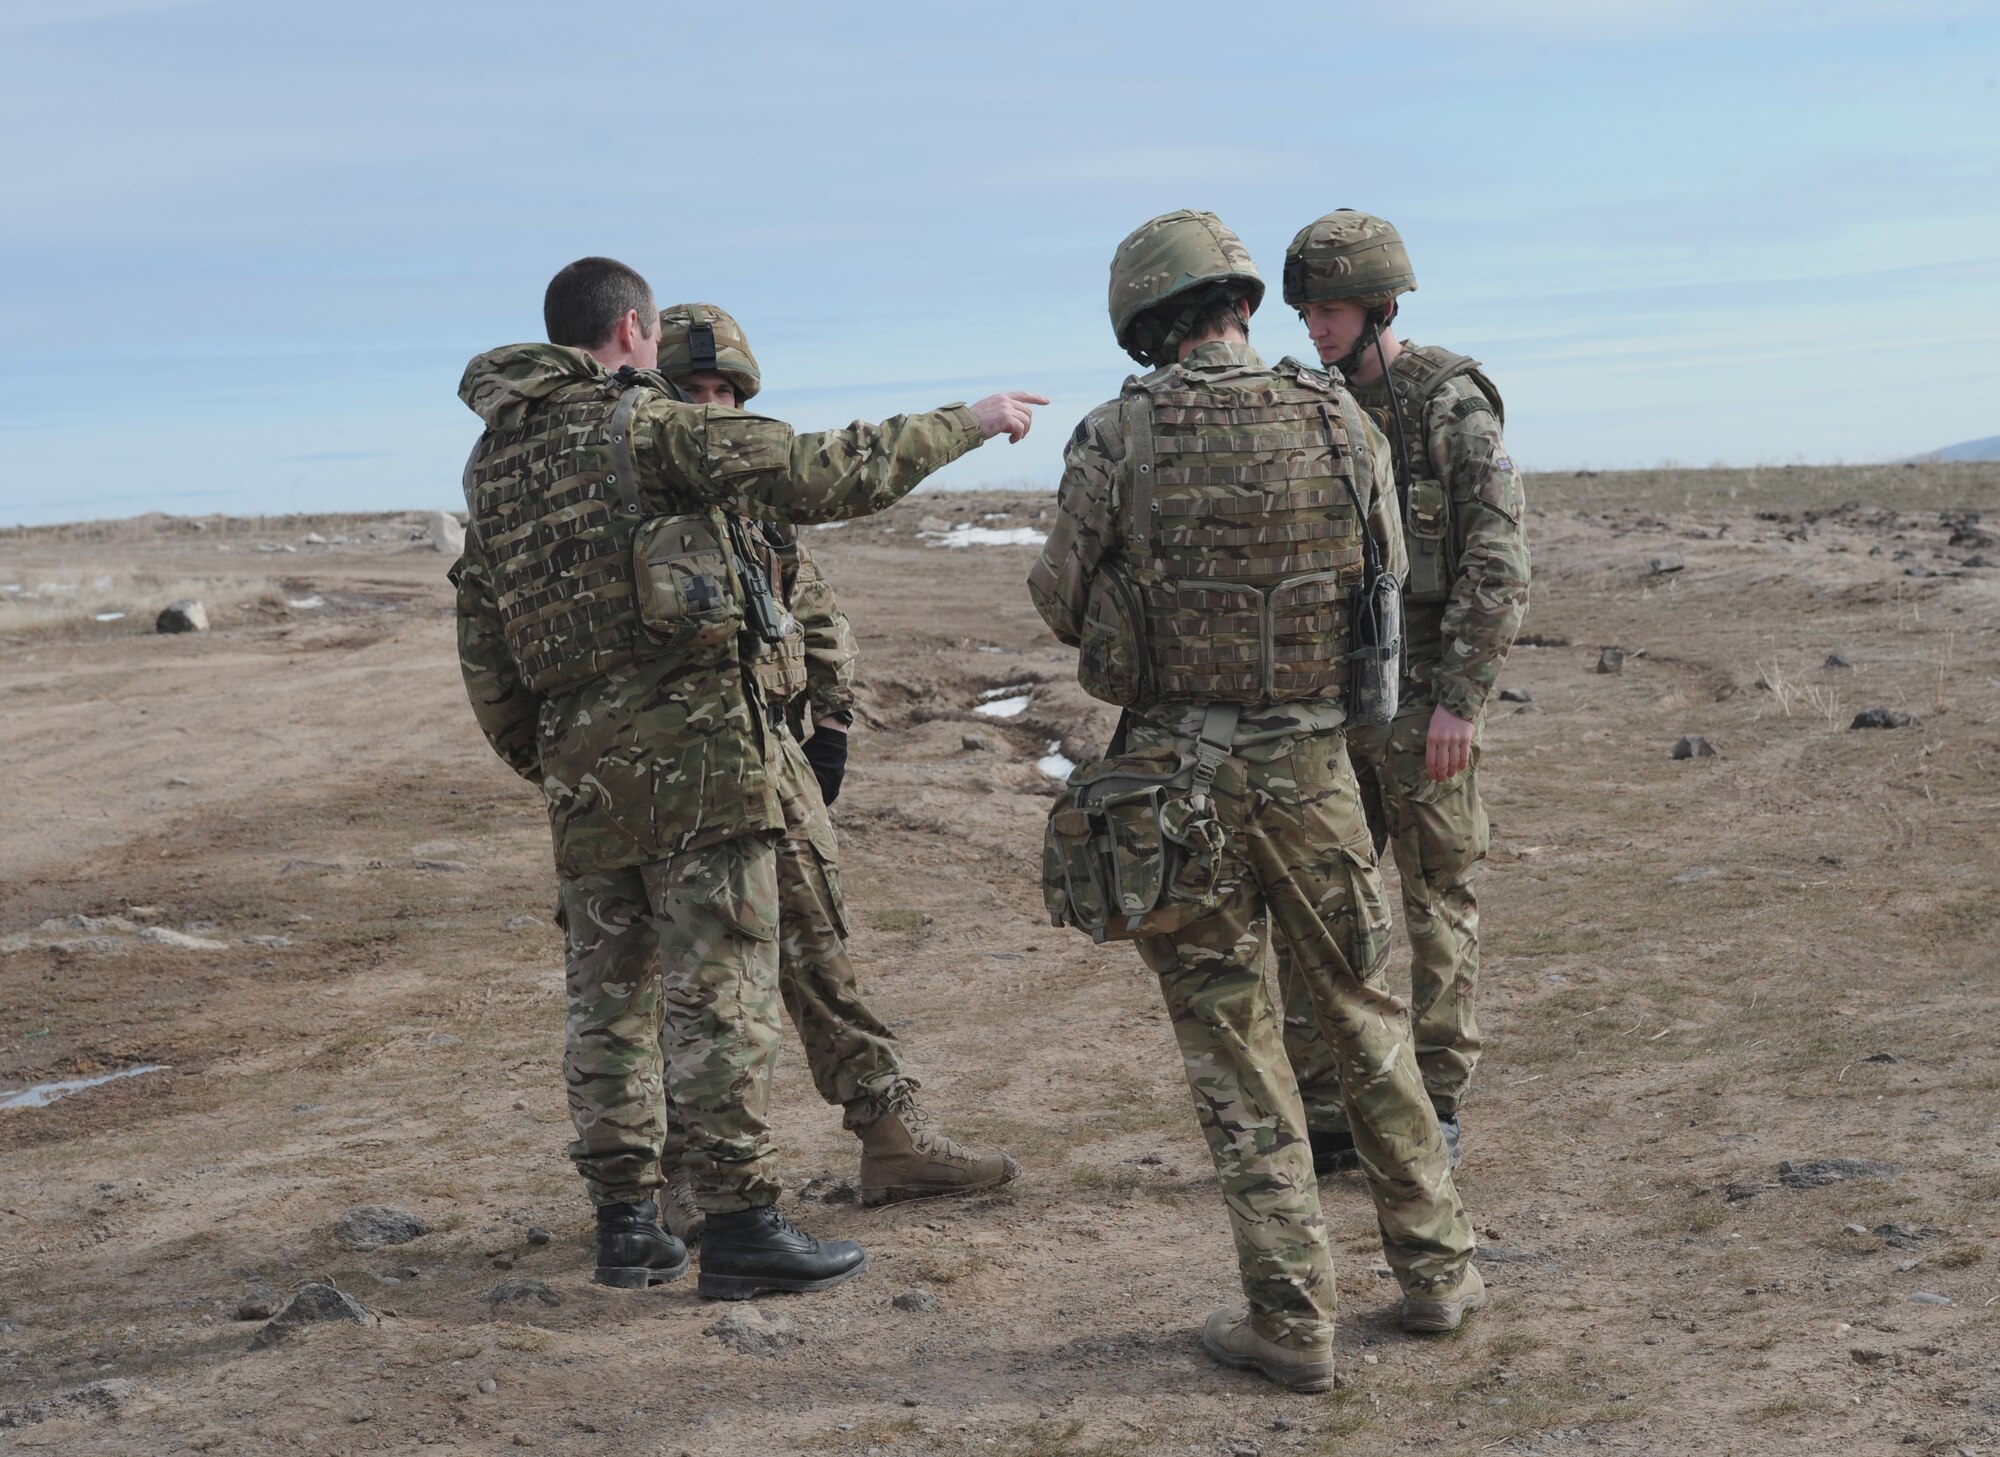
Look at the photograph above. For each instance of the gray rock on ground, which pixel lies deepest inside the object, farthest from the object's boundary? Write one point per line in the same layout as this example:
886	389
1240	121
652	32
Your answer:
184	614
1881	718
521	1287
445	532
371	1226
1693	746
85	1404
258	1305
1666	564
918	1302
1516	695
1610	660
1818	1173
313	1304
754	1333
1837	660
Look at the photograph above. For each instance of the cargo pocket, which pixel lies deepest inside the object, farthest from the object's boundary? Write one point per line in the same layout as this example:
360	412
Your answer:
825	853
733	884
740	451
1365	935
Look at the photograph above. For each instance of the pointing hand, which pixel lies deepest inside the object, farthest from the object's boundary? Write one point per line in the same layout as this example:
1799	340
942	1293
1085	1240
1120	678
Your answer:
1007	414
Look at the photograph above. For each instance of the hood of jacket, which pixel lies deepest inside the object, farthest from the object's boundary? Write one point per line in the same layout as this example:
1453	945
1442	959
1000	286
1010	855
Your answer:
499	385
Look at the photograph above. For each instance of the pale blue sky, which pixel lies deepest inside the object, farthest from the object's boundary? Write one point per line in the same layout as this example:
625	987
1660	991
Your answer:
247	248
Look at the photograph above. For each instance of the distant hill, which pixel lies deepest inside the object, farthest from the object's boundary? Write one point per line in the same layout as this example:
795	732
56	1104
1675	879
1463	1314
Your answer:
1987	449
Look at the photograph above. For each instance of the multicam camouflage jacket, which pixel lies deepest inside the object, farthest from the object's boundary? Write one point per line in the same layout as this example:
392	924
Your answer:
1091	529
1457	636
657	755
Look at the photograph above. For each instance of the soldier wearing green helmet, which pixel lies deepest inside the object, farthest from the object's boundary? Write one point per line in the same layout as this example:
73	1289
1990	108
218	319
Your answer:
807	677
1213	524
1463	522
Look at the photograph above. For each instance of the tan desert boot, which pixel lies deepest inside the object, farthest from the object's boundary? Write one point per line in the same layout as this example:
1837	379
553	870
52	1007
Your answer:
678	1211
902	1157
1443	1310
1229	1337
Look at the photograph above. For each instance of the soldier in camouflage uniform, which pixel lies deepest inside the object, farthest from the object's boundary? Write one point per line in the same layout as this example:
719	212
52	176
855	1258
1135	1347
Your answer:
808	678
1464	525
604	605
1206	548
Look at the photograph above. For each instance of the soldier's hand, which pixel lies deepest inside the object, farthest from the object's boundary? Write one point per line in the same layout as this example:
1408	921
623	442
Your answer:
1448	750
1007	414
826	753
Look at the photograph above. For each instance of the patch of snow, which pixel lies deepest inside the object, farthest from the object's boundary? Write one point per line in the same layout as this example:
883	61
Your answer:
43	1094
1053	763
1007	690
109	617
828	525
305	604
1003	707
965	534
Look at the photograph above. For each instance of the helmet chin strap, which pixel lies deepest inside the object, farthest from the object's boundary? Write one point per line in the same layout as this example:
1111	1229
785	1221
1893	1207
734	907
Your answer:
1372	334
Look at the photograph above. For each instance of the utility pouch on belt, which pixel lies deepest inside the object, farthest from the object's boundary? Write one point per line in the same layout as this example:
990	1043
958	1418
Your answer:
1375	652
1133	847
687	601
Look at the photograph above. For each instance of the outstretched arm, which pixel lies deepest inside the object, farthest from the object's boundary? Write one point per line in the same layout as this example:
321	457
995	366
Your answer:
760	468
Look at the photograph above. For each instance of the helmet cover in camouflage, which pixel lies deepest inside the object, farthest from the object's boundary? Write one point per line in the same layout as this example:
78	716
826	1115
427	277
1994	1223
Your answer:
1186	259
696	338
1347	254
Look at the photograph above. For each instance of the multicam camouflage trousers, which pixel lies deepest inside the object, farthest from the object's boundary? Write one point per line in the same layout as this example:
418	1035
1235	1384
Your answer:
673	986
852	1055
1298	852
1438	833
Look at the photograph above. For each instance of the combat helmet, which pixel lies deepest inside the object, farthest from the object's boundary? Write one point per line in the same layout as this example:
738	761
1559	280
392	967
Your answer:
1169	270
699	337
1347	254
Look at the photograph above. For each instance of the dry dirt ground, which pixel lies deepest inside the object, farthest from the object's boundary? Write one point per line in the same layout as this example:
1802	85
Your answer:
1695	970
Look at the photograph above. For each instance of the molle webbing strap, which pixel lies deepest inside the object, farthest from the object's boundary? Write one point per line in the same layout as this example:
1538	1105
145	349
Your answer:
1371	549
623	475
1218	737
1355	438
472	506
1139	467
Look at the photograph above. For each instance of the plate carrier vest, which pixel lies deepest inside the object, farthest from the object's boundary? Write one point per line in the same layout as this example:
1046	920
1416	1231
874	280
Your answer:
1241	543
585	580
1417	374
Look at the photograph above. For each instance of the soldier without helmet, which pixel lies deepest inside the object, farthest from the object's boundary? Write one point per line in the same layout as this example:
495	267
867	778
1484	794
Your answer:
1207	550
602	622
1463	523
808	675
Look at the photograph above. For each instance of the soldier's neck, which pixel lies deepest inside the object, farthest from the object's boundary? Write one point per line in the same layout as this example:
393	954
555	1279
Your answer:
1368	372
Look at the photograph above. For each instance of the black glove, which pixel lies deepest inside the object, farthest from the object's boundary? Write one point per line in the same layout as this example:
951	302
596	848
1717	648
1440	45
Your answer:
826	751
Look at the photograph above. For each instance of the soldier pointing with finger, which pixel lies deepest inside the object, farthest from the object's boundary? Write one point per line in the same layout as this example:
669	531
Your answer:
807	679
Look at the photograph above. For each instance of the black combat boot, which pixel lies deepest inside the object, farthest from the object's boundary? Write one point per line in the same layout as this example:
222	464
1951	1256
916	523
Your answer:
633	1251
749	1250
1333	1151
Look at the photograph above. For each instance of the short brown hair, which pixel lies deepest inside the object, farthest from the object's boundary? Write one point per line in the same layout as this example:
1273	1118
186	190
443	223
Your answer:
586	300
